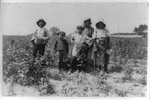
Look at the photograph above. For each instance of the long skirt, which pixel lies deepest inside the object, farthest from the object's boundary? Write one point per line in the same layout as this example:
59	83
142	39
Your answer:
101	59
100	55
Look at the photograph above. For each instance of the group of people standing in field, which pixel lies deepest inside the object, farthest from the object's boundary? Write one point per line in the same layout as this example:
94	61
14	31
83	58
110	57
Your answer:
96	42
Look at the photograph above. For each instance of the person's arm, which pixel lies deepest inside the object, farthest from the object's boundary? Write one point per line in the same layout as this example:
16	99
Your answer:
94	35
92	31
72	39
107	33
87	37
85	31
101	47
33	37
108	38
46	35
55	46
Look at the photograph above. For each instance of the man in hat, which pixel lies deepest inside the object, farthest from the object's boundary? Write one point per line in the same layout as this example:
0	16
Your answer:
39	39
102	44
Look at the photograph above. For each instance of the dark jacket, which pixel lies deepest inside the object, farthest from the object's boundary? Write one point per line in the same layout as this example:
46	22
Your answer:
61	45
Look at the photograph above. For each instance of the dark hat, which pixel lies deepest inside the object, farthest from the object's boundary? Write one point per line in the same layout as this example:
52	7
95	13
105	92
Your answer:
41	20
87	20
80	27
101	21
62	33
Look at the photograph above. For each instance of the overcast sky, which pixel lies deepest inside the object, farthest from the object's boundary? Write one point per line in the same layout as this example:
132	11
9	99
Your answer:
21	18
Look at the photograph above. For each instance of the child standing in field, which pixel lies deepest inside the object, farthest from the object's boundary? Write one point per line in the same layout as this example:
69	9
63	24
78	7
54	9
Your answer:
39	39
62	48
79	40
102	44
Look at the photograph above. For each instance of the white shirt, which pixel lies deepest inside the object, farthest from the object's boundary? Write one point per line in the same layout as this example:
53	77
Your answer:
101	33
80	38
77	38
39	34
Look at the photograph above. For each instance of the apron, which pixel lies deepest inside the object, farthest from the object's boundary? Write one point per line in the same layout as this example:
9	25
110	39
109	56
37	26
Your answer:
77	48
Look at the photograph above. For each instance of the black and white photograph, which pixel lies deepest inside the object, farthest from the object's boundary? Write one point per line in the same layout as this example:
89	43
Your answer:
75	49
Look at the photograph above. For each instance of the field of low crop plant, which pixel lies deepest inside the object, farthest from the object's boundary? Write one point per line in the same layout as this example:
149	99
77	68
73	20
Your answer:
127	71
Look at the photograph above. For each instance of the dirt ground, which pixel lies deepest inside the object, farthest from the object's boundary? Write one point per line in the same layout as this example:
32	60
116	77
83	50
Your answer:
83	84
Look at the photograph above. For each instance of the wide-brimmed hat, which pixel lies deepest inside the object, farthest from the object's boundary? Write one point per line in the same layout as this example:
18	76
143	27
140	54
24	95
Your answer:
41	20
88	20
101	21
80	27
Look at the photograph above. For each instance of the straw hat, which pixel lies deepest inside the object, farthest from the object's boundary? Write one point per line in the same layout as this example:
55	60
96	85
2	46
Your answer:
100	22
41	20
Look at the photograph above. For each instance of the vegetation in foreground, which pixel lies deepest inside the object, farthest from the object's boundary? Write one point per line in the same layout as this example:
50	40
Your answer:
127	77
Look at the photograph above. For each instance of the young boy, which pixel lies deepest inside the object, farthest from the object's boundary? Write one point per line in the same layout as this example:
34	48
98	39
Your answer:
62	48
78	39
39	39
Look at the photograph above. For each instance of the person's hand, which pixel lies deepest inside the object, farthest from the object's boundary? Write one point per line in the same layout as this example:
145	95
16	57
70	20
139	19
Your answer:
31	47
91	39
108	51
72	42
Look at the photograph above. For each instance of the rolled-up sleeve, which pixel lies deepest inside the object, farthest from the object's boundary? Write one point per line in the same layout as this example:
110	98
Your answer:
94	35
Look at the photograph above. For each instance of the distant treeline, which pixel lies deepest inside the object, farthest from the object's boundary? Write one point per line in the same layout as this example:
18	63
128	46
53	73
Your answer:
144	33
124	34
